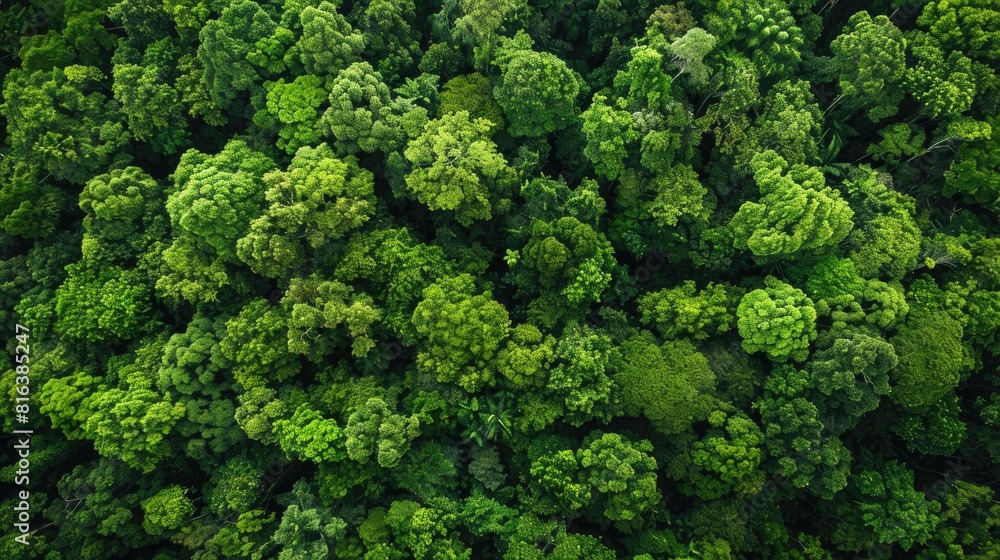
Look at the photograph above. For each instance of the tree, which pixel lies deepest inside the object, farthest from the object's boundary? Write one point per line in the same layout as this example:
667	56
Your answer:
308	435
104	303
689	52
431	470
118	205
29	208
842	294
936	431
487	468
293	109
96	517
480	23
256	341
530	530
487	419
61	121
797	439
768	27
227	49
679	194
797	211
779	320
360	112
549	200
390	37
462	331
399	267
943	81
609	130
307	530
850	373
579	376
622	474
764	27
374	428
645	80
789	123
153	106
973	172
456	167
525	360
189	16
683	311
890	507
726	459
555	482
537	90
888	240
670	384
966	25
968	513
317	308
931	358
409	530
318	199
192	360
898	141
568	257
670	20
607	22
144	21
328	43
132	425
472	93
870	60
167	510
62	399
193	372
215	198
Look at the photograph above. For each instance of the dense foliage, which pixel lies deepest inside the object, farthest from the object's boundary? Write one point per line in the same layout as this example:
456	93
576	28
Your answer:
503	279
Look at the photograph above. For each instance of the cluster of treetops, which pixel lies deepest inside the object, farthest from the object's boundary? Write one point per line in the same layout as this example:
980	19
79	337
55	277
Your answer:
504	279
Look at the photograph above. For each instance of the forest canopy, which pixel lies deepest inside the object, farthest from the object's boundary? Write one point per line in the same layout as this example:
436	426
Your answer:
501	279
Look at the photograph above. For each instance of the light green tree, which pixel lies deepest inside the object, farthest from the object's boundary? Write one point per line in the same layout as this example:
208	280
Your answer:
779	320
670	384
622	474
308	435
870	61
320	311
167	510
319	198
689	52
686	311
931	358
456	167
374	429
293	110
328	43
797	211
462	331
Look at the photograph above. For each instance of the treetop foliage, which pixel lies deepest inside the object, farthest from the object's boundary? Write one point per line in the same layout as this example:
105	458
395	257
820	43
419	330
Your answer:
502	279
